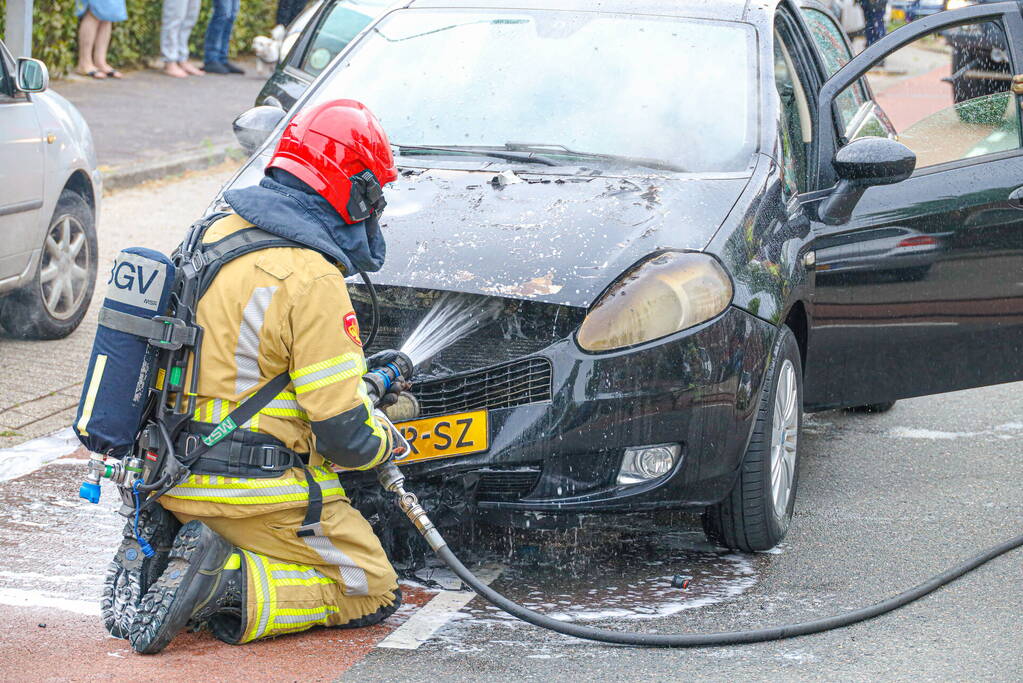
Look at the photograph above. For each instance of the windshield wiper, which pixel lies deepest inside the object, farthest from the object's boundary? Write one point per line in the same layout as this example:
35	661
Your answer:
561	150
526	157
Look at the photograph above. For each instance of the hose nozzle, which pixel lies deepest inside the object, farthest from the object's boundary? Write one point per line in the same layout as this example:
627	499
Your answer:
379	380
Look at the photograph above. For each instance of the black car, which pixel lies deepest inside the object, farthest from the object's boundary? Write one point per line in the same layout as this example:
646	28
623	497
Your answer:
315	37
685	223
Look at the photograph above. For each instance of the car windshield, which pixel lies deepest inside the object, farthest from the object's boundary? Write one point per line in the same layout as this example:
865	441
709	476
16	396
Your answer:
641	91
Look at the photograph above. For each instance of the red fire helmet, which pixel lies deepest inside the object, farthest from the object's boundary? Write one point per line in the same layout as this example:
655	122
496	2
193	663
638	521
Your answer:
331	147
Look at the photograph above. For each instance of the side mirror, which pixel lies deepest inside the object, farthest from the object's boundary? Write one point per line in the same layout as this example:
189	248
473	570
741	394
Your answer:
254	126
861	164
33	76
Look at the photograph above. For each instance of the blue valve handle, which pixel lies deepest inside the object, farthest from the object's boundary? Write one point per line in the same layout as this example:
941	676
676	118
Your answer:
89	491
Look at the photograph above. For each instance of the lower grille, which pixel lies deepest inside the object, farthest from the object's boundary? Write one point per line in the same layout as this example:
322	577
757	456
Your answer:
506	485
500	386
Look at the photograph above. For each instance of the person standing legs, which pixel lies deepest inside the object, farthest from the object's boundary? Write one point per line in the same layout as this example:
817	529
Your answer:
873	14
173	21
218	37
179	17
87	29
191	16
99	51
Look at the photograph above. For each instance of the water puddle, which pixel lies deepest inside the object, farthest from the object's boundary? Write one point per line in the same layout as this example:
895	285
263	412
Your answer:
609	576
19	460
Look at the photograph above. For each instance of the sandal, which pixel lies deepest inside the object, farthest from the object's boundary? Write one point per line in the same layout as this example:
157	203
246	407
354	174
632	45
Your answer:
114	73
95	73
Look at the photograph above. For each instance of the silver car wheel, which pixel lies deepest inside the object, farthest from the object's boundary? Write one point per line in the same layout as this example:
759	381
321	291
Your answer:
64	271
784	438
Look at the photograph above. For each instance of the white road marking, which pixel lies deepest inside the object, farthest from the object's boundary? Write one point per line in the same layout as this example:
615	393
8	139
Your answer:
432	616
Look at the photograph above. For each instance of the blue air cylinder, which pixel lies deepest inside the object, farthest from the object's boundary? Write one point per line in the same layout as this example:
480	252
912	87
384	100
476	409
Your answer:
122	364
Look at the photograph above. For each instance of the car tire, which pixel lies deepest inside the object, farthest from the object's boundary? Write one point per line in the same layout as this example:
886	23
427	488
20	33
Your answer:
872	407
757	512
54	302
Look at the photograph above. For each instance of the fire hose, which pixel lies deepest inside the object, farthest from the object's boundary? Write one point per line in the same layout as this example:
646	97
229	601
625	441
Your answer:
392	479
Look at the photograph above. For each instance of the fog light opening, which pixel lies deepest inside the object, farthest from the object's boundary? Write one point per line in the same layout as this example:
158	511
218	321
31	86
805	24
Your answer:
646	463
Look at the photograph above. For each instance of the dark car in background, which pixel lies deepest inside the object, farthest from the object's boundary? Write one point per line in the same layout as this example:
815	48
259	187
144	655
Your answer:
689	222
315	37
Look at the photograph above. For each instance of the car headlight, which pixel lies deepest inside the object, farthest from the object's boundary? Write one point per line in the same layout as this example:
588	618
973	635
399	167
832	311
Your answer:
661	296
959	4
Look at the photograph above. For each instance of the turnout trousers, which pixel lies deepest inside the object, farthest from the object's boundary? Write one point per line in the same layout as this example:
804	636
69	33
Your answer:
296	575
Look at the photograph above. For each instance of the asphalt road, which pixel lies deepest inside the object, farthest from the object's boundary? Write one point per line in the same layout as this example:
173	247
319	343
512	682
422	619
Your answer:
885	501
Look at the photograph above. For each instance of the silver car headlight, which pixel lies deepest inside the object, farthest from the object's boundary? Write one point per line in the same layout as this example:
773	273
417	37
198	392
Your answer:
663	295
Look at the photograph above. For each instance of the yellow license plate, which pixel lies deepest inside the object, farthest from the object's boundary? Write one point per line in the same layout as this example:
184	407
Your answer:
446	436
898	14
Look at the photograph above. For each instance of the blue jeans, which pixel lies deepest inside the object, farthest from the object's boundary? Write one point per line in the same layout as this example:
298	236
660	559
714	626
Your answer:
218	33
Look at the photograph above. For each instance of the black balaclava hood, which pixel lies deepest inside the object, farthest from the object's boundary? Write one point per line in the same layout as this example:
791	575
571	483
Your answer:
285	206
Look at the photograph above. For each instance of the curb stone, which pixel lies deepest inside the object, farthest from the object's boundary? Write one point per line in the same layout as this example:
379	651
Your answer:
129	175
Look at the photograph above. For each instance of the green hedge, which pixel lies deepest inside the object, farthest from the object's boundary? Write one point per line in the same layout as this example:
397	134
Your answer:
136	40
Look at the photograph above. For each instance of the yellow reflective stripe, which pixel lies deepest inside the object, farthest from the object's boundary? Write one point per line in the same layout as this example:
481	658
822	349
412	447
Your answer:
328	380
233	562
235	491
303	582
328	372
299	618
372	423
90	396
324	364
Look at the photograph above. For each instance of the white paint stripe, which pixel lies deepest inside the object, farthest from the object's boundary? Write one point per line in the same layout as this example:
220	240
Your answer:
23	598
27	457
432	616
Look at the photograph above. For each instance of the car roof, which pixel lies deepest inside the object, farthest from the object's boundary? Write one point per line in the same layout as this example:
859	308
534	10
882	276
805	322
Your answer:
727	10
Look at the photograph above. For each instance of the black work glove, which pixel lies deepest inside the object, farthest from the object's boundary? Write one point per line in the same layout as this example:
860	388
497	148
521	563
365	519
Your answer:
381	358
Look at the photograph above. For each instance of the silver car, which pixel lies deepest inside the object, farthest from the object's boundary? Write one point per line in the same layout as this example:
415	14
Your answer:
49	204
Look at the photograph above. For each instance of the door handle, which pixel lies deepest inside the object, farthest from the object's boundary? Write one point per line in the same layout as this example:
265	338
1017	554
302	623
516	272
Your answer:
1016	198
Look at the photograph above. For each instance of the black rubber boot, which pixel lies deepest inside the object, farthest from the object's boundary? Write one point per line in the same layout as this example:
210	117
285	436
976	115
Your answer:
192	579
222	611
376	617
131	573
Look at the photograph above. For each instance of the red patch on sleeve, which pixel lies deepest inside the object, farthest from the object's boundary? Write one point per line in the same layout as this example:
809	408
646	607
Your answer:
351	325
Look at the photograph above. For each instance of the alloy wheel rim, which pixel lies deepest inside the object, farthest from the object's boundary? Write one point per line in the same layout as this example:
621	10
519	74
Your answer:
784	438
64	272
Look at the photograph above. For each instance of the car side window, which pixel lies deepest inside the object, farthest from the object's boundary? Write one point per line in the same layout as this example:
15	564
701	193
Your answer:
7	89
794	127
335	31
947	95
835	54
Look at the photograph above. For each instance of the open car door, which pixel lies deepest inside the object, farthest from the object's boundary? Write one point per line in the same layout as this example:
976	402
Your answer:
919	288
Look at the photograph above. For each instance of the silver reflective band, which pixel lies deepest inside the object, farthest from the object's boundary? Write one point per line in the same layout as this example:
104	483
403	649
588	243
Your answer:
353	576
264	618
301	618
246	355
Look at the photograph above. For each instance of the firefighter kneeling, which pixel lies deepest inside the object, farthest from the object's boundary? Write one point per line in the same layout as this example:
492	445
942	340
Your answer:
269	543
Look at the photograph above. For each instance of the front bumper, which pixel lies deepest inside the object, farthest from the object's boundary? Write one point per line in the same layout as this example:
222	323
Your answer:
561	457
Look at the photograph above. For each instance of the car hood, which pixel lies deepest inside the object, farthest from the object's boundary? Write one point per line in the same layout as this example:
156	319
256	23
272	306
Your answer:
559	239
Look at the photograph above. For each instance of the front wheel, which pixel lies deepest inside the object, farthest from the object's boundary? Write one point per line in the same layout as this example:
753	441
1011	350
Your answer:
54	302
757	512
